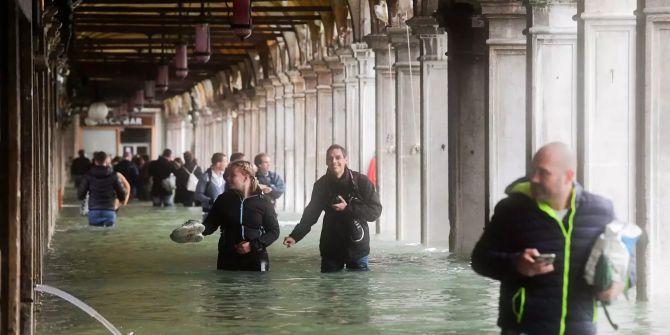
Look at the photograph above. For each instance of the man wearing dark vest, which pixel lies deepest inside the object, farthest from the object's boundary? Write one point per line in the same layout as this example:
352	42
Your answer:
537	244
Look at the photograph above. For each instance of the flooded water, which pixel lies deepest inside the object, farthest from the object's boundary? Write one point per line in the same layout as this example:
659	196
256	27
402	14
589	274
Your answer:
144	283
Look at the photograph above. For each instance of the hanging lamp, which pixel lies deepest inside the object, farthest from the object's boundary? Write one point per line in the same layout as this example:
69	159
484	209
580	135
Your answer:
149	83
150	90
181	52
139	99
203	48
241	20
162	72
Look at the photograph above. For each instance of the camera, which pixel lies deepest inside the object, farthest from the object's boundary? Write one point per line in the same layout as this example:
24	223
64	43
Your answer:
335	199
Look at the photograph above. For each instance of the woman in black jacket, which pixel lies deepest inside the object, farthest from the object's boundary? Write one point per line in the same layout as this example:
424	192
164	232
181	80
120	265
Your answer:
247	220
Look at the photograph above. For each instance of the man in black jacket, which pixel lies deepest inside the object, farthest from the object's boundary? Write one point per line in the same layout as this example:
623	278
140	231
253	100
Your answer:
160	170
350	202
103	187
127	168
537	244
79	167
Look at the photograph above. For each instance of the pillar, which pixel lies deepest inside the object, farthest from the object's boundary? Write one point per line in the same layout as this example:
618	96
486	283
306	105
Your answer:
552	61
280	132
607	107
654	157
311	111
365	59
339	100
385	131
435	132
288	201
506	136
324	117
351	108
408	108
299	139
271	124
261	95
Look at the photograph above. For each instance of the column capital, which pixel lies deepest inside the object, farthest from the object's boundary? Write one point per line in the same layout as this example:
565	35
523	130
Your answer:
502	8
377	42
555	17
434	40
622	9
337	69
507	21
298	83
309	77
398	37
323	74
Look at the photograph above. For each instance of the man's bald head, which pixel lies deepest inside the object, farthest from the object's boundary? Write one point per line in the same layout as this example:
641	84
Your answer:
558	154
552	174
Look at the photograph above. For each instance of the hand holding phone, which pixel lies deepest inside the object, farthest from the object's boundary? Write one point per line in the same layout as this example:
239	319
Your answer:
545	258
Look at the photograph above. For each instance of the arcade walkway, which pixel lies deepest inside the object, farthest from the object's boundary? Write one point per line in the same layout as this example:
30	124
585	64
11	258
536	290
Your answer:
144	283
448	98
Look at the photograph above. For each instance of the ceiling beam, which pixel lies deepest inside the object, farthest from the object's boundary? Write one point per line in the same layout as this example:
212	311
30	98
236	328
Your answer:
196	9
156	42
157	29
176	20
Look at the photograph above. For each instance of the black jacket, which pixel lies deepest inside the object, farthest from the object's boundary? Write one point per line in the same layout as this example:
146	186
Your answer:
128	170
258	224
336	243
159	170
182	195
103	187
534	305
80	166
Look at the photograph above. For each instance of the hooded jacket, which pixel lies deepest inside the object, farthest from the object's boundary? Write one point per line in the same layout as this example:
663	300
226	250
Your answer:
336	243
559	302
103	187
252	219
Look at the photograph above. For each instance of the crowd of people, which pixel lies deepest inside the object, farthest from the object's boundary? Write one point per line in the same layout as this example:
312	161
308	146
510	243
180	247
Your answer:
536	243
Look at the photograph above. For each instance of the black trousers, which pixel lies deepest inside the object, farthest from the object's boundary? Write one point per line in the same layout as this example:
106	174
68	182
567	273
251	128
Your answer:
253	261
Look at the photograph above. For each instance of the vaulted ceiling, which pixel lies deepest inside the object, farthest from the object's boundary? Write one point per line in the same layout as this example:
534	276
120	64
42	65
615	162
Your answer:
117	44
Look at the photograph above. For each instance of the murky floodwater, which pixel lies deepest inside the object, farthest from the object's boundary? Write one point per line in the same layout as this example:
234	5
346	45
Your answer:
144	283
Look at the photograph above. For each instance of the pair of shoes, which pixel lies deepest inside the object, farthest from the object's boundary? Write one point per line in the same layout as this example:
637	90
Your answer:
190	231
357	231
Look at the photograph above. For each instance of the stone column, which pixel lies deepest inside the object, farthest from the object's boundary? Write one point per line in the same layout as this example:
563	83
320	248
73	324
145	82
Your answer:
288	200
280	132
435	132
339	100
259	135
227	128
385	131
270	117
607	144
351	109
311	111
248	123
408	129
365	59
552	59
220	135
654	160
324	118
506	137
299	139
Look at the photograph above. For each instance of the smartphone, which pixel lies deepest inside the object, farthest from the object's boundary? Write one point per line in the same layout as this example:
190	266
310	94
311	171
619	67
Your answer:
545	258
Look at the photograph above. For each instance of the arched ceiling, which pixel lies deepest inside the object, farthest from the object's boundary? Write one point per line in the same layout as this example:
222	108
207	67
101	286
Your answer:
117	44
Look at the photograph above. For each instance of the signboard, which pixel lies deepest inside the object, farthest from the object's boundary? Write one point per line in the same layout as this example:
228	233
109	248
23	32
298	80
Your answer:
129	122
